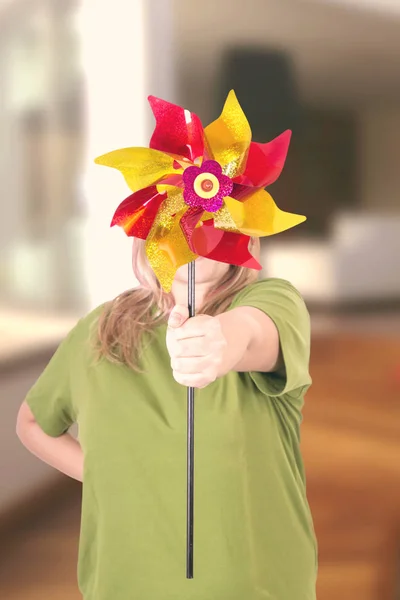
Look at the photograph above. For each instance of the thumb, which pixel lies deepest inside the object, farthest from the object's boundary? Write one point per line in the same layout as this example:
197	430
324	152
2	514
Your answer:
178	316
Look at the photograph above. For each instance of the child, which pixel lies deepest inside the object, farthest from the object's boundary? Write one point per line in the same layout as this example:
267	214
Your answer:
247	353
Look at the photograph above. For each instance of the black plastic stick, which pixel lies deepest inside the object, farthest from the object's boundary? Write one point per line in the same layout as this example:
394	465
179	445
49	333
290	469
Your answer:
190	441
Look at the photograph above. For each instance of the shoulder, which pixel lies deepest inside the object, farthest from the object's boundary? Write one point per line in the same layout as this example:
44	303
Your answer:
86	325
92	317
278	298
271	287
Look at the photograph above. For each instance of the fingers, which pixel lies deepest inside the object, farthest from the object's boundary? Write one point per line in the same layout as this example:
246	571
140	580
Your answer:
192	365
179	315
197	380
190	347
197	372
198	327
196	347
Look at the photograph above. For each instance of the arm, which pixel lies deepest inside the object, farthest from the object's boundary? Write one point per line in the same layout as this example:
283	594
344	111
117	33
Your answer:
252	341
204	348
290	331
64	452
266	334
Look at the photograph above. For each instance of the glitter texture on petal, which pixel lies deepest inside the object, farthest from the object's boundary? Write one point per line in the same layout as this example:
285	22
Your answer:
166	245
259	216
228	138
177	130
136	213
141	167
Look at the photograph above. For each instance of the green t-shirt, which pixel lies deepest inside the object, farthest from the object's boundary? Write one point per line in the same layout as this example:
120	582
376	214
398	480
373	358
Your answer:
254	537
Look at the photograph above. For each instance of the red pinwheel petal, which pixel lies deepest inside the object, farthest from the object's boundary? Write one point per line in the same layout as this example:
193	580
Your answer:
189	221
265	161
240	192
223	246
173	180
177	130
136	213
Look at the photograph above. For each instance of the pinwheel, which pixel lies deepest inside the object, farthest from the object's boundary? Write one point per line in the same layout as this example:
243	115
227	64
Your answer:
199	192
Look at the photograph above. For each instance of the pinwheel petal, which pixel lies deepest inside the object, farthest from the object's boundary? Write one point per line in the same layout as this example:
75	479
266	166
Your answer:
190	220
178	229
223	246
136	213
228	138
166	245
265	161
141	167
256	216
177	131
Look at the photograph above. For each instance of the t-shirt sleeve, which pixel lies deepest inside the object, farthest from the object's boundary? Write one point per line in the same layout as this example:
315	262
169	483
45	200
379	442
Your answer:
50	398
284	305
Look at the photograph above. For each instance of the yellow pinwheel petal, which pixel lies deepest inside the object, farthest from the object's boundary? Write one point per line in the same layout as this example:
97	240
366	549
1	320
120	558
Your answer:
256	216
227	218
166	245
206	216
228	137
141	167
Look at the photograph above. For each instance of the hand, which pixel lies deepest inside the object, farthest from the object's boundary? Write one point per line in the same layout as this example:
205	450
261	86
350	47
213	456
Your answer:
196	346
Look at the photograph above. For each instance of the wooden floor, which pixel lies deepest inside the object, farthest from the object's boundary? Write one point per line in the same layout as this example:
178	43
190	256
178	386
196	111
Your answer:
351	447
38	561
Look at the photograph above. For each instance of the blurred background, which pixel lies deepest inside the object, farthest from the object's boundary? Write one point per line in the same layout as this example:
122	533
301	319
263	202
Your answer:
74	78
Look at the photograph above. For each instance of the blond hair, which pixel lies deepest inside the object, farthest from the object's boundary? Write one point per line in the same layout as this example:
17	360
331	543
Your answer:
134	314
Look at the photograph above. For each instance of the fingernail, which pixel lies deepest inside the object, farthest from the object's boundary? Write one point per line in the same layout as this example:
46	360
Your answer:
176	319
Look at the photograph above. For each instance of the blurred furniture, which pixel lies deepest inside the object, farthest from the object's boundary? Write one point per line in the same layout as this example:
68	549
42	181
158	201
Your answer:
358	263
351	448
265	83
41	147
321	171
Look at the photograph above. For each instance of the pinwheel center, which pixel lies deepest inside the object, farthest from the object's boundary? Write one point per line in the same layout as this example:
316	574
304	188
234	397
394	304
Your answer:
206	185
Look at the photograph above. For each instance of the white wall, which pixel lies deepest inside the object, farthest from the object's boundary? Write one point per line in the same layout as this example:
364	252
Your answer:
115	63
123	65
